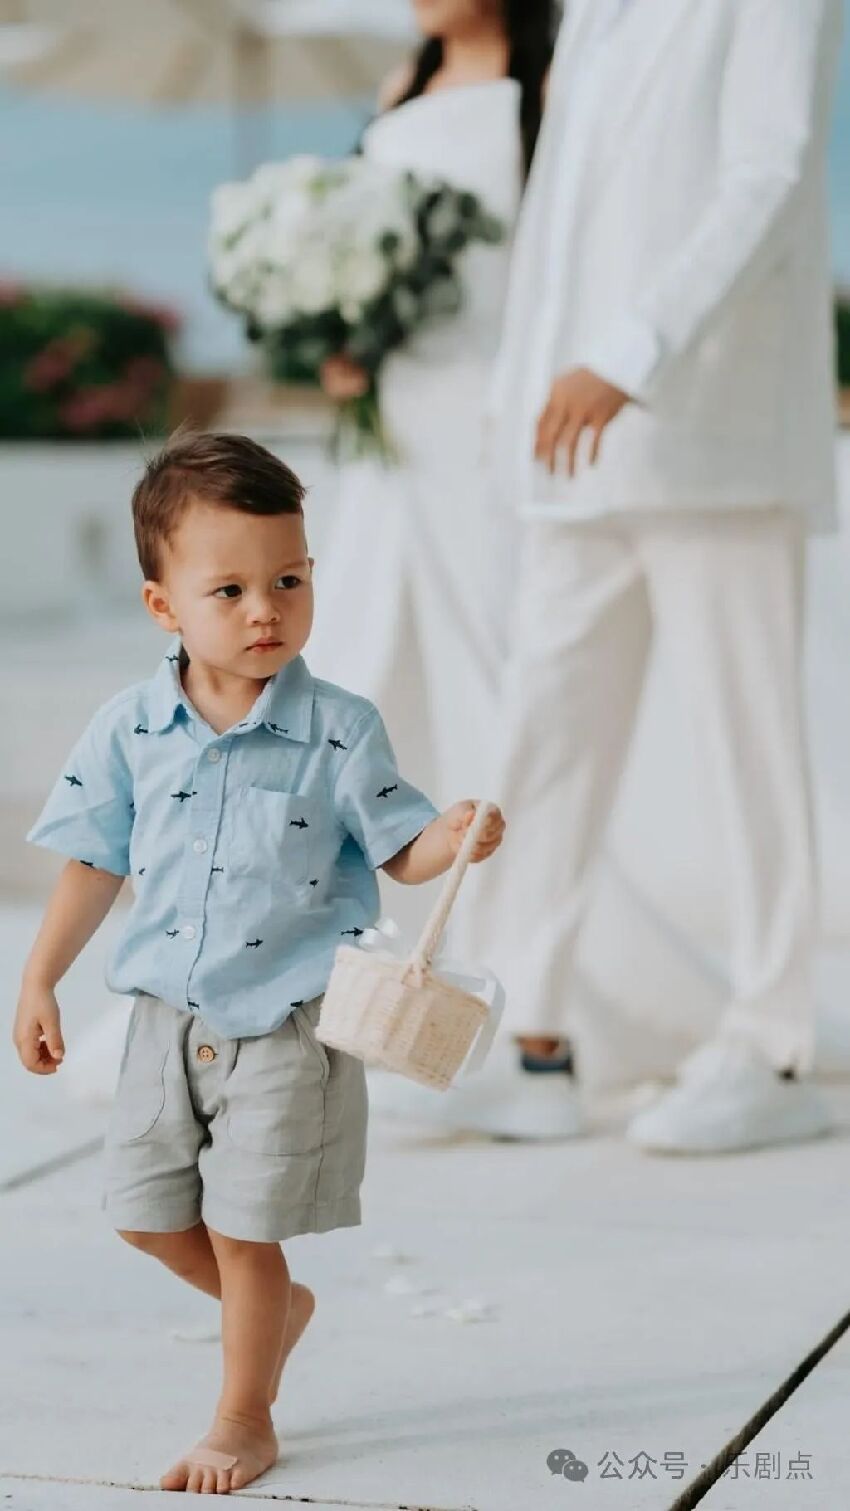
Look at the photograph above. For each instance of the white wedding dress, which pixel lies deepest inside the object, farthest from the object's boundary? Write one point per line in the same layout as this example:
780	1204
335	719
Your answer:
412	594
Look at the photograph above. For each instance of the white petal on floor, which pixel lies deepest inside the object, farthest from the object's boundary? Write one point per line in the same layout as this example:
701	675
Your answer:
386	1252
399	1285
476	1309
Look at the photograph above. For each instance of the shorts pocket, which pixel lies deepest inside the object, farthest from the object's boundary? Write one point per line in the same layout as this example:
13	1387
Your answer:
276	1093
140	1093
306	1017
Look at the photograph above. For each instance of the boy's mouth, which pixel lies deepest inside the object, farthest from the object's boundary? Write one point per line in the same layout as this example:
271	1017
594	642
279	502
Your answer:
265	645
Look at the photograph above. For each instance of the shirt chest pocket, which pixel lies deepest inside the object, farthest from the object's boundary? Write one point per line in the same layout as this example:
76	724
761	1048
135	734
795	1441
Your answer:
279	837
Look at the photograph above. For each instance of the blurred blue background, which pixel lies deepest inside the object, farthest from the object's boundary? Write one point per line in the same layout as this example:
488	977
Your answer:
92	193
105	195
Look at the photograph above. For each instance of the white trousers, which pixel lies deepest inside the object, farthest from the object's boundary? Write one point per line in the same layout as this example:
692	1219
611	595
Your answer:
724	594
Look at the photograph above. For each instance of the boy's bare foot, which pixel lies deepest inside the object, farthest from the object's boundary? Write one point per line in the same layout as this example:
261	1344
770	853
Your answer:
302	1305
233	1453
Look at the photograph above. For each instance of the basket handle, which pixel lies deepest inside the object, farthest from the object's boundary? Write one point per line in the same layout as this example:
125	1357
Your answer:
432	933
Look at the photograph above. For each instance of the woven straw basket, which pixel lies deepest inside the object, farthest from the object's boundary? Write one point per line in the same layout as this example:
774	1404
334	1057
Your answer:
398	1013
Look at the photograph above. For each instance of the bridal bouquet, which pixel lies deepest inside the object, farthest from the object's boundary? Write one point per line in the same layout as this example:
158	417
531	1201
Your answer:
341	258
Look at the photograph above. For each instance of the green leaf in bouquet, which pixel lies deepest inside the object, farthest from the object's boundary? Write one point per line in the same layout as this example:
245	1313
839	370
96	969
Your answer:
490	229
310	353
444	297
468	205
297	351
454	243
389	244
406	307
369	343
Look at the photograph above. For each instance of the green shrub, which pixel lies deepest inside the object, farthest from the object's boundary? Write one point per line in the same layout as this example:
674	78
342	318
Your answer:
76	365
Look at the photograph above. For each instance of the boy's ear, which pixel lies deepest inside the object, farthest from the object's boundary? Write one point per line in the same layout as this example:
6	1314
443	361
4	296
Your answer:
158	605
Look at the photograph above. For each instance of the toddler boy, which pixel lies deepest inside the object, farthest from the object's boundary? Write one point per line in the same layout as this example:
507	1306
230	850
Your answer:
252	806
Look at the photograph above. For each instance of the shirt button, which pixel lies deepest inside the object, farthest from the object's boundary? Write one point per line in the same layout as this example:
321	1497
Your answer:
199	846
188	931
206	1052
214	755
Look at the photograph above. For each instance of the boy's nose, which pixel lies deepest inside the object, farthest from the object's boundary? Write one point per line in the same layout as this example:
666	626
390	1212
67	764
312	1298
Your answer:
263	611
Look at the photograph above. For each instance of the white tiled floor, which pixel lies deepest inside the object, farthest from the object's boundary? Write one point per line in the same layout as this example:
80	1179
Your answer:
802	1455
641	1308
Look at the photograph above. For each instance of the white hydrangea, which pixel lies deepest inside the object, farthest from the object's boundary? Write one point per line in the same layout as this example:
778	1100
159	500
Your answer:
309	237
305	236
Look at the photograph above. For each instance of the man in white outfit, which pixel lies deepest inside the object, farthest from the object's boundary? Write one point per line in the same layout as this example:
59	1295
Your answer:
664	409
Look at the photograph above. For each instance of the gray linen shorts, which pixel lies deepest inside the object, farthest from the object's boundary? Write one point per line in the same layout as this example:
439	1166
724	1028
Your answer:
260	1138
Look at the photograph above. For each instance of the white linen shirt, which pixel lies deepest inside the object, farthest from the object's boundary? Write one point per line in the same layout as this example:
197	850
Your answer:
674	239
252	852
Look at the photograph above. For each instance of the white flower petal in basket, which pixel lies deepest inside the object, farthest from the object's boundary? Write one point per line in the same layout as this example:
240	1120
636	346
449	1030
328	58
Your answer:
397	1011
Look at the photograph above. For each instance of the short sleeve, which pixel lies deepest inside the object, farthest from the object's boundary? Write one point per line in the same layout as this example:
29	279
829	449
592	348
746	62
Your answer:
381	810
89	814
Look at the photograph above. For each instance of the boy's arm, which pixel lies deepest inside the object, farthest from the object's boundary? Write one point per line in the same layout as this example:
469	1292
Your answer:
78	905
433	851
398	829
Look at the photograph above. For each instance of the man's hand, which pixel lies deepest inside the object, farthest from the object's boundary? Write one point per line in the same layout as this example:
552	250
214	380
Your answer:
37	1034
458	819
579	401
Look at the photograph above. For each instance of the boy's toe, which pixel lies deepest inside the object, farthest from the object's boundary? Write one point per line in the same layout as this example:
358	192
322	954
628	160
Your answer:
175	1479
223	1485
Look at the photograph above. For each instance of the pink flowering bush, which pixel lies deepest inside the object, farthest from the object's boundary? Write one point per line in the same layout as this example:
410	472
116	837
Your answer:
76	365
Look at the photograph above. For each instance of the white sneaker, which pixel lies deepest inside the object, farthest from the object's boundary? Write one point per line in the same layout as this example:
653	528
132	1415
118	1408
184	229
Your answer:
501	1100
728	1097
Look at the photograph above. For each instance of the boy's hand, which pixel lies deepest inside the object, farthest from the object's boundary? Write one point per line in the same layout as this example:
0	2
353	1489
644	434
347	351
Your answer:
37	1033
458	819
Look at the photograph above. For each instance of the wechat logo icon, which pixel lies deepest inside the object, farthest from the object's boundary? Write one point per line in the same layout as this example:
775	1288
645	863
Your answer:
563	1461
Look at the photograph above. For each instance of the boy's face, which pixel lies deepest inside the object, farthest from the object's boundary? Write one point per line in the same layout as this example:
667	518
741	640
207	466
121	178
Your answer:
237	587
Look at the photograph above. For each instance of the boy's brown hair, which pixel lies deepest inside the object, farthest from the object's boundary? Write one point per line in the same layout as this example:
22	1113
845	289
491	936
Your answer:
216	468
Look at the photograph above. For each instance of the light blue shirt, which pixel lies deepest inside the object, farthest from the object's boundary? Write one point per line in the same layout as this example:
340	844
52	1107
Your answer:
252	853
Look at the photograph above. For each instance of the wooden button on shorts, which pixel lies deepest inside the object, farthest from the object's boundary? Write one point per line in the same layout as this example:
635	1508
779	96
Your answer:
261	1138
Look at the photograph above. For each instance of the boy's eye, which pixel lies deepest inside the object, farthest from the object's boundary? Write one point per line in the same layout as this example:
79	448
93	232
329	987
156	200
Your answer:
230	590
290	581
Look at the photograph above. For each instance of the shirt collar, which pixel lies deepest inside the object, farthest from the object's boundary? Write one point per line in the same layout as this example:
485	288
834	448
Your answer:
285	705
